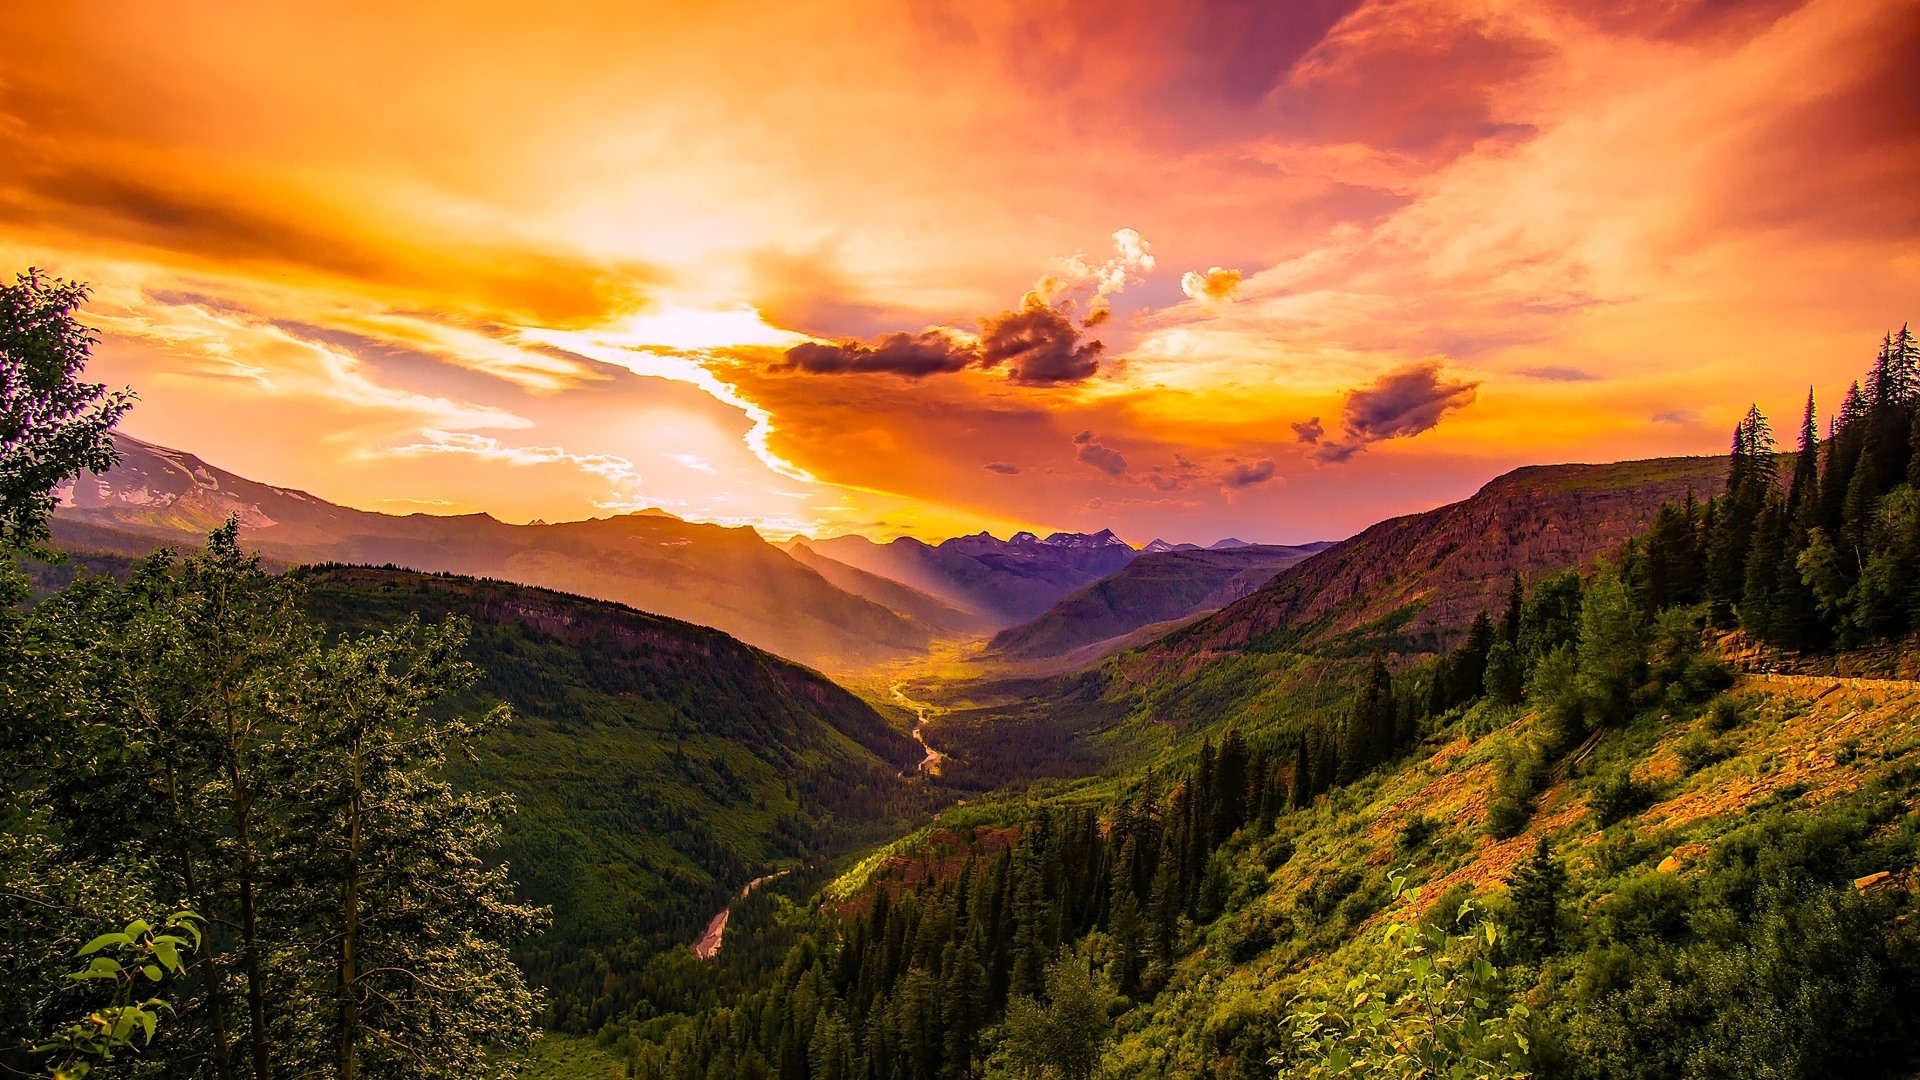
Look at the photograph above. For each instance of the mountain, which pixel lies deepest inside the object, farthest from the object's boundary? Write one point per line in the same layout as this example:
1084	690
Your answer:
728	578
1407	586
1157	545
657	766
1228	544
1004	581
1173	583
1410	584
887	592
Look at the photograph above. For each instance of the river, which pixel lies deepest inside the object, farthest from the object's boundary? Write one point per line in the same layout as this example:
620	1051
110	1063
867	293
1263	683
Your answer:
930	764
709	944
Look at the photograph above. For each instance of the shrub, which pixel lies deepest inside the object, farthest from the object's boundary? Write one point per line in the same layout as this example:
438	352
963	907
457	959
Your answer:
1696	752
1617	797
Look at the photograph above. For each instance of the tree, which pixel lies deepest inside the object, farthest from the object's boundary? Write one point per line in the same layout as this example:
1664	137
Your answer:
53	426
1506	680
1535	890
1611	656
400	912
1061	1038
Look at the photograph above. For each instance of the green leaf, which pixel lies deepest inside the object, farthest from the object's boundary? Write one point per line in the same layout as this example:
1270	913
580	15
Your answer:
103	941
166	951
152	972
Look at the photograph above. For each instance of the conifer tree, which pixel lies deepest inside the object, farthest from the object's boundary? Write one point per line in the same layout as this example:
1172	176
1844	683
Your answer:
1806	466
1535	890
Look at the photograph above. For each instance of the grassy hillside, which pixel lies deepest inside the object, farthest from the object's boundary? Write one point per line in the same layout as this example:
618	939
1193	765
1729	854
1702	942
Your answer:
1731	888
657	766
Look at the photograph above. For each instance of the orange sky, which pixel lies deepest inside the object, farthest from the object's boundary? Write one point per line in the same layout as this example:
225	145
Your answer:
841	266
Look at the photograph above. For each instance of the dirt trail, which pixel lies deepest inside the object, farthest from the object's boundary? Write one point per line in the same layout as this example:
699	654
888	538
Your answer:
709	944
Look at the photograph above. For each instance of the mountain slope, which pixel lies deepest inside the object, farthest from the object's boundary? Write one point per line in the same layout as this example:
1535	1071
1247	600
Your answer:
1409	582
887	592
1153	588
1407	586
657	765
1005	581
726	578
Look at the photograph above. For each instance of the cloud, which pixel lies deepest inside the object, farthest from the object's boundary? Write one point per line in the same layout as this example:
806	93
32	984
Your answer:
930	352
1004	468
1398	405
610	467
1246	474
1039	345
1309	431
1557	373
1677	417
1105	458
1219	285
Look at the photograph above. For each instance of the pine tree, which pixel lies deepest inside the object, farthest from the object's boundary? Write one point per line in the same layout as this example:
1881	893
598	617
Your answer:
1759	614
1806	467
1516	607
1535	890
1379	706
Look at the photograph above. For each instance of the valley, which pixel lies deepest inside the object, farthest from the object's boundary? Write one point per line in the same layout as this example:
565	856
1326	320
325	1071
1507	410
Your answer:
1195	786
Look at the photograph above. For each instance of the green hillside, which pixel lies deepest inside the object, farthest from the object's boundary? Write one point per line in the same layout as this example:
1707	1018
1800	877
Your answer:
657	767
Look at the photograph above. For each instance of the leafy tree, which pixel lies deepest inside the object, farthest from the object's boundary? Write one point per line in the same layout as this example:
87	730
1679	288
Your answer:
398	911
154	956
1611	655
53	426
1506	679
1060	1038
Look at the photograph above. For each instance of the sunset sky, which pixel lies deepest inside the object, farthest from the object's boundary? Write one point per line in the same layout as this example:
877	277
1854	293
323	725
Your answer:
1273	270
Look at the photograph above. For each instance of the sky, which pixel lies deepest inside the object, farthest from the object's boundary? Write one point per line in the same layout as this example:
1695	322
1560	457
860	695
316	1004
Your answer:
1261	269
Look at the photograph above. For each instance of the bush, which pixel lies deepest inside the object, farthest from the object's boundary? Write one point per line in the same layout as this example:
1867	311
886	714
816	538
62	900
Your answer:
1696	752
1617	797
1725	714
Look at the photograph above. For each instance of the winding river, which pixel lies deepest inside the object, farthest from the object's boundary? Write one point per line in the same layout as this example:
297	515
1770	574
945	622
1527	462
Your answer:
709	944
930	764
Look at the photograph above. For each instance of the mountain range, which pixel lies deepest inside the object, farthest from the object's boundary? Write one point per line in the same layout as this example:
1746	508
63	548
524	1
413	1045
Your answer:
1160	586
1003	582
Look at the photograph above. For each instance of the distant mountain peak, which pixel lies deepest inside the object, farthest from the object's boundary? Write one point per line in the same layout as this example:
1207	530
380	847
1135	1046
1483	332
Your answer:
1229	542
1158	546
1103	538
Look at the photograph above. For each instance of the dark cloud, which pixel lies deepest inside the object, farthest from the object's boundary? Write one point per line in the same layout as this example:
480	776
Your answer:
1676	417
1398	405
913	355
1004	468
1404	403
1105	458
1039	345
1246	474
1309	431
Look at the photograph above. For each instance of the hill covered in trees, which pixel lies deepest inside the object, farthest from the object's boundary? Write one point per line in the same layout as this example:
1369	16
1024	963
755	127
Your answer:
655	766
